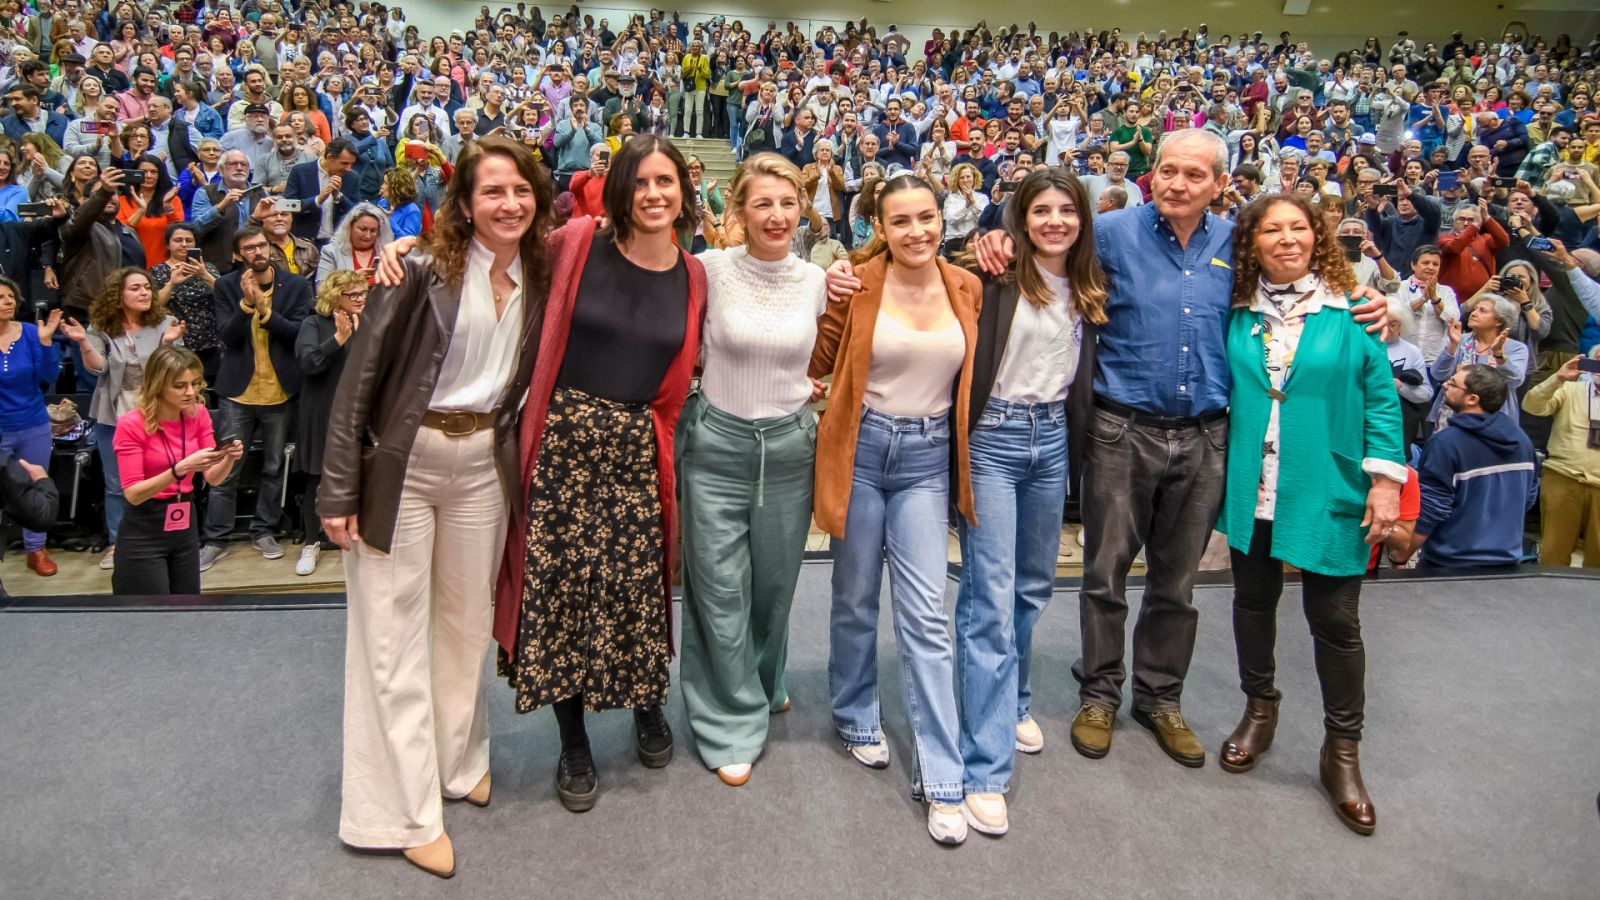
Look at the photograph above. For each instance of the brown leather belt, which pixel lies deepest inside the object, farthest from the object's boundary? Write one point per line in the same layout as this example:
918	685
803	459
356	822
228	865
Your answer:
458	423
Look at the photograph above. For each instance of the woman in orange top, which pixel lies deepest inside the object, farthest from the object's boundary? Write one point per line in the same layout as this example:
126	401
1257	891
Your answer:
299	98
150	207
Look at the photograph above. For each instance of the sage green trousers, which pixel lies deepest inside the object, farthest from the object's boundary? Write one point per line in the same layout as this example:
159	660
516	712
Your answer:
745	508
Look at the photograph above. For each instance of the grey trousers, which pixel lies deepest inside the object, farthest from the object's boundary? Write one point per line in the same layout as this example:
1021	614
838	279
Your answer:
1158	489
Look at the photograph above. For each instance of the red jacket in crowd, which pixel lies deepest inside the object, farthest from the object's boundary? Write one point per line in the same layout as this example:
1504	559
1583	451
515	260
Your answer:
1468	257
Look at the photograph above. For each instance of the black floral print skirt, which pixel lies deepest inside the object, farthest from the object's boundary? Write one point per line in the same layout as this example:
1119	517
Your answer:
594	617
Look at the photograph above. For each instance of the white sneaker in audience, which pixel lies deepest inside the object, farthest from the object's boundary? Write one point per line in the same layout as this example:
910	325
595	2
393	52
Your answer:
946	823
268	546
209	554
873	756
1029	738
309	554
986	813
109	561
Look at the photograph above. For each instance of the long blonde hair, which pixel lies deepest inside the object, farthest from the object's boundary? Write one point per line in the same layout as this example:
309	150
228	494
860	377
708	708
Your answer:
160	371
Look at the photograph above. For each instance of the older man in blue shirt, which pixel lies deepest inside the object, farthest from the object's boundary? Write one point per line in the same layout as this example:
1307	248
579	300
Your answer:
1154	470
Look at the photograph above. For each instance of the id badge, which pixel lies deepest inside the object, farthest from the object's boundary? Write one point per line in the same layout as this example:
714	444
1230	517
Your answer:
177	517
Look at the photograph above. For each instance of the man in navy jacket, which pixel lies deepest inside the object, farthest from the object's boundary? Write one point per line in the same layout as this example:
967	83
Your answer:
324	195
28	115
259	309
1477	477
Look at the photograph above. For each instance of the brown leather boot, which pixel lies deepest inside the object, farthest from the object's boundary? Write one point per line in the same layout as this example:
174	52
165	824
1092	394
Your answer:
1341	775
1252	737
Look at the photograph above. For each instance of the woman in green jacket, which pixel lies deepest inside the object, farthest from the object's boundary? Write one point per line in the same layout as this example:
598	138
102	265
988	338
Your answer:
1314	466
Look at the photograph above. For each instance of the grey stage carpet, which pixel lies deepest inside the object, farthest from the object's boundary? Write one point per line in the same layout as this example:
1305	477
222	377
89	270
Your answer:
166	755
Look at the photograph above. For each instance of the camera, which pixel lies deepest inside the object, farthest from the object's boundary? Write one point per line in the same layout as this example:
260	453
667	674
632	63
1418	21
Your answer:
1385	190
284	204
1511	282
133	178
1352	245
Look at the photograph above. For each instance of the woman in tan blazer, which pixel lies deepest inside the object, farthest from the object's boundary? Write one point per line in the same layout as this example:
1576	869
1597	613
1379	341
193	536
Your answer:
830	204
900	352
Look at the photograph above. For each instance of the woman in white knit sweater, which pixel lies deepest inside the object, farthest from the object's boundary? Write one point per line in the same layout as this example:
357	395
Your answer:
746	442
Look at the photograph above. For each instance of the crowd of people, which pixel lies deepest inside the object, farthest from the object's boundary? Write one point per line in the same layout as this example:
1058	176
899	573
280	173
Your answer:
1022	266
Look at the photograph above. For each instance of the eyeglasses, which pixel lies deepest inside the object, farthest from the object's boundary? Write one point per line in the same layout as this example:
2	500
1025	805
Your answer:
354	295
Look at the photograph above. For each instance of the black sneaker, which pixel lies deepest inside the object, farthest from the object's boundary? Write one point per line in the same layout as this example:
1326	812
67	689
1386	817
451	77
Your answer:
576	783
654	736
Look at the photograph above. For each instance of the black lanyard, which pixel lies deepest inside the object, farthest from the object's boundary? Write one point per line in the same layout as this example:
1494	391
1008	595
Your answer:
183	449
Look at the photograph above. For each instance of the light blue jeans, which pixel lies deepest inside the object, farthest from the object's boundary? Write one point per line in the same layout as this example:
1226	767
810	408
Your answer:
1008	567
115	502
898	503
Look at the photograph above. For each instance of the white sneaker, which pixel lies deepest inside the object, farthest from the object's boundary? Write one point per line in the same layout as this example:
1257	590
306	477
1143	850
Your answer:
986	813
1029	738
946	823
309	554
109	561
873	756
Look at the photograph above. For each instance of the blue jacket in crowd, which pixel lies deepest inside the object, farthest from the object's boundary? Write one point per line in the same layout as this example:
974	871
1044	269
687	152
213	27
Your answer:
1478	480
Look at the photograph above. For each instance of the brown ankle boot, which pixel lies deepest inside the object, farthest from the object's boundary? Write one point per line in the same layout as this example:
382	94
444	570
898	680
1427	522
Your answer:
1341	775
1250	740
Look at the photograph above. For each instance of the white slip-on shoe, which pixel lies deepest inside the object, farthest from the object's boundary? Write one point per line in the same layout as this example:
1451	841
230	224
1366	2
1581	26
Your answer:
946	823
986	813
1029	738
873	756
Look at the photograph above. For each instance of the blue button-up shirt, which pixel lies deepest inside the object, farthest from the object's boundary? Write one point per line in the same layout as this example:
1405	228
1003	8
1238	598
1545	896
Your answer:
1163	349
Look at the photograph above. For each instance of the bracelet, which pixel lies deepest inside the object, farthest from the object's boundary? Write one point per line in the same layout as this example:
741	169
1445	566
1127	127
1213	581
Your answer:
175	475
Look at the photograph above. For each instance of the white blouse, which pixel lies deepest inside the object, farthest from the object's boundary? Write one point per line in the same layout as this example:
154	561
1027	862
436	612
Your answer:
483	351
1042	349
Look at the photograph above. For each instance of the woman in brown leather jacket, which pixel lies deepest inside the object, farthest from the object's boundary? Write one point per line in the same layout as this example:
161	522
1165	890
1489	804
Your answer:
420	466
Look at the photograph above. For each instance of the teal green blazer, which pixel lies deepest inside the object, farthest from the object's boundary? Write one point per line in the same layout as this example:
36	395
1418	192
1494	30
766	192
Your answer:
1340	407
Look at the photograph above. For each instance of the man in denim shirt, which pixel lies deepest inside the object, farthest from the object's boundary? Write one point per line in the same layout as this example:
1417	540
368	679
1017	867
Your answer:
1155	466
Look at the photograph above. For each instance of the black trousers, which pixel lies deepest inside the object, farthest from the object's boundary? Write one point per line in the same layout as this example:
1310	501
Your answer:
152	560
1156	489
1332	606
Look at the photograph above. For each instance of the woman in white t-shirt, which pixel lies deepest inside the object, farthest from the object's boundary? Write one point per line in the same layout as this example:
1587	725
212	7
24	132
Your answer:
1032	353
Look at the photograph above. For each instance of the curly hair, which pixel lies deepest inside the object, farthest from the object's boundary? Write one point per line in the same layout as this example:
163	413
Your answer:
400	184
451	235
1328	261
105	312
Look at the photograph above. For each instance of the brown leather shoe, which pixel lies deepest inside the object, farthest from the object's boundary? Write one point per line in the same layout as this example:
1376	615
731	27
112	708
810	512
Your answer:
1173	735
479	796
1250	740
437	858
1341	775
1091	730
40	562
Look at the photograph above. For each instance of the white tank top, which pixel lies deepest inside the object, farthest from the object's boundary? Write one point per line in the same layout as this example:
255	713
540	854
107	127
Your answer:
913	372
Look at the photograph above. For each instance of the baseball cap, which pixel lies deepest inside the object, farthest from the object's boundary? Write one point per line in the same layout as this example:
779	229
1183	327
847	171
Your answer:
261	108
1368	138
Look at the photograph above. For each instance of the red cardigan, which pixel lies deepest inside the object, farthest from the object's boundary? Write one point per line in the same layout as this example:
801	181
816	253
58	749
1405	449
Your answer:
570	250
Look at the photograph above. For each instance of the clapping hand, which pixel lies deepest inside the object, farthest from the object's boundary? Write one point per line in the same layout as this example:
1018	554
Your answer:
74	331
175	332
345	325
47	328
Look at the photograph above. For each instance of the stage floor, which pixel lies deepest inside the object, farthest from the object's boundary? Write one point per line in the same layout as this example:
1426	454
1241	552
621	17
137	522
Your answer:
196	754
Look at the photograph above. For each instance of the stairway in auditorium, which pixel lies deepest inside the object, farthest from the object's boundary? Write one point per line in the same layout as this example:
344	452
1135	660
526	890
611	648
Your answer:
715	153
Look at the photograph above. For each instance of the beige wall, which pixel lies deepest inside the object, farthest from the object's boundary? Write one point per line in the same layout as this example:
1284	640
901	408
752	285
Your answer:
1331	25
